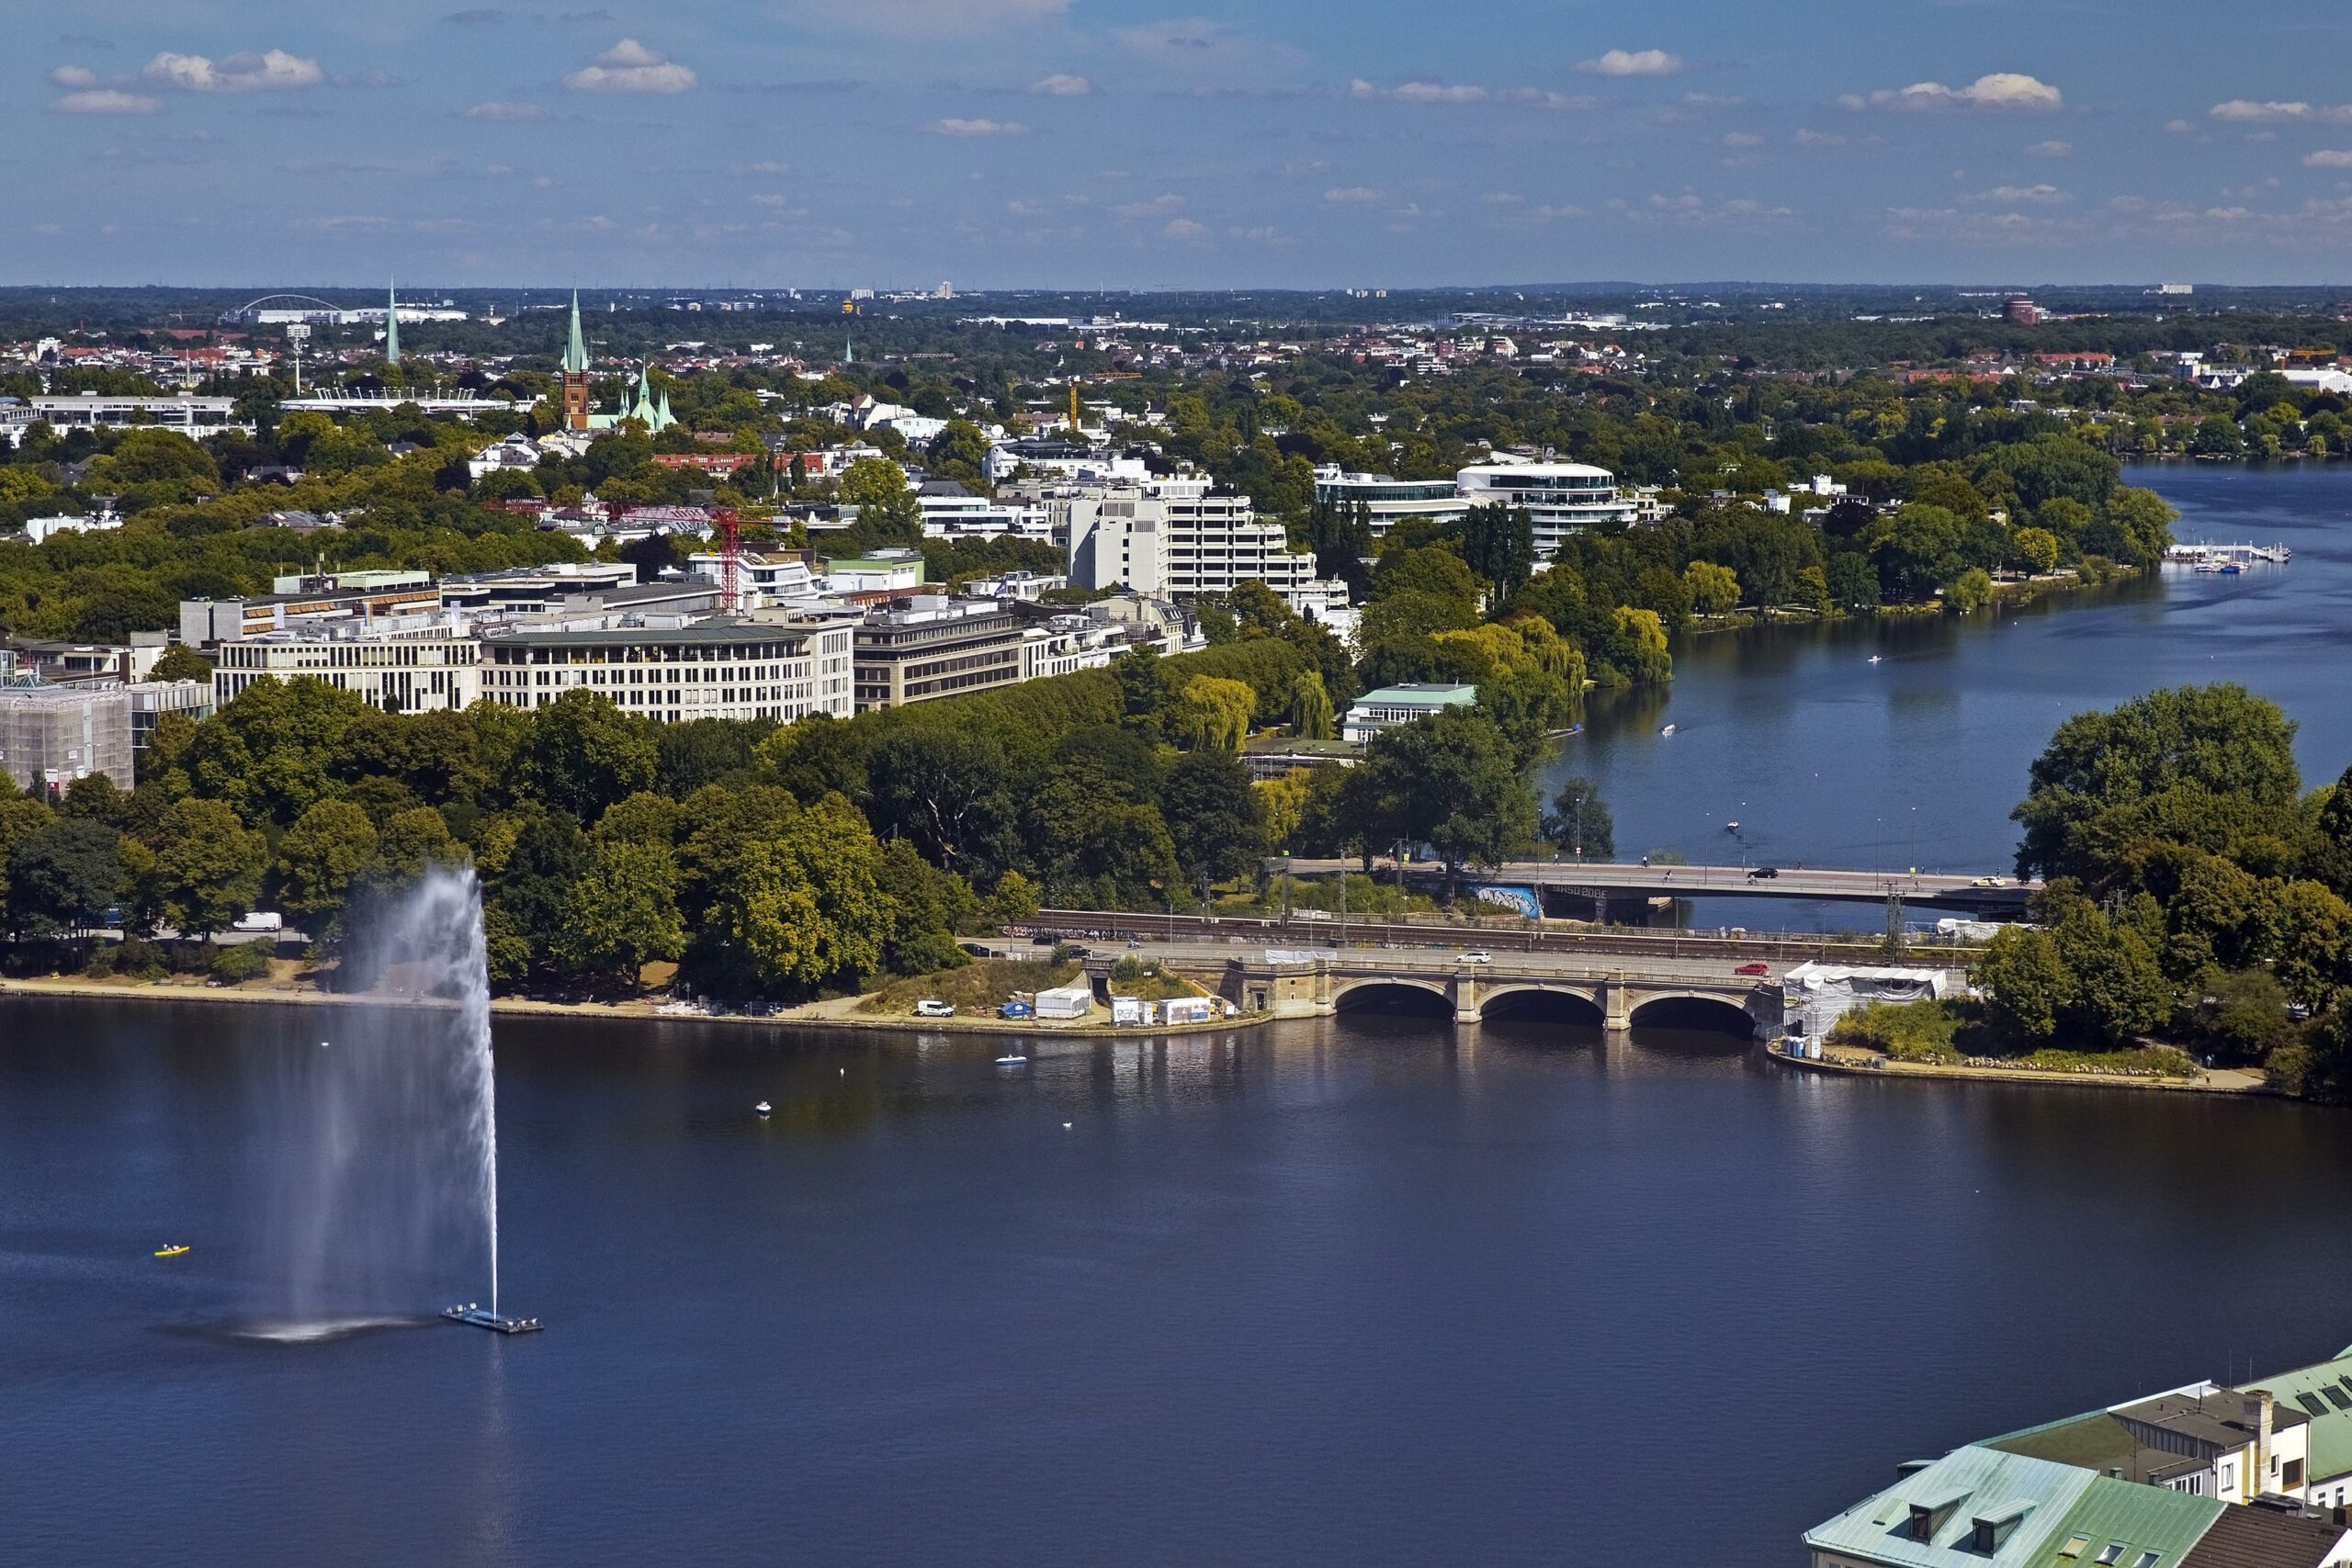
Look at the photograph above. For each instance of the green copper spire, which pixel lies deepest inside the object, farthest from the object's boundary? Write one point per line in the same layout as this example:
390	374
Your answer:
662	418
575	352
392	324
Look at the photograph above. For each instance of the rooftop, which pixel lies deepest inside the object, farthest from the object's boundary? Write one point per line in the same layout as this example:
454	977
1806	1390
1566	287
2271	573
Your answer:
1420	694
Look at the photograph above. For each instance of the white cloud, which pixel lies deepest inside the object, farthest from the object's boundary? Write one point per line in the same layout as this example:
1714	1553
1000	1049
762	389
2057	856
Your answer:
75	77
1185	229
1998	90
1742	139
630	67
2010	196
978	128
1157	207
1352	196
105	100
1061	84
1420	92
506	111
2246	109
2050	150
1503	198
926	17
2179	127
1542	98
268	70
2328	158
1633	62
1818	138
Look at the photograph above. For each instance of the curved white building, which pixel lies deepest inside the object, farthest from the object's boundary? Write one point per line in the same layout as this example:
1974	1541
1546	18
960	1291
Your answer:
1560	497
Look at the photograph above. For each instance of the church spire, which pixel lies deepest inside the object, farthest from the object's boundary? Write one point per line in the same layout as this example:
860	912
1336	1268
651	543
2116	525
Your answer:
575	352
392	324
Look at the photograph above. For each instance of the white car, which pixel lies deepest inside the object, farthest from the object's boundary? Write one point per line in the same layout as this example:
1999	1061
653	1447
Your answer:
1478	956
930	1007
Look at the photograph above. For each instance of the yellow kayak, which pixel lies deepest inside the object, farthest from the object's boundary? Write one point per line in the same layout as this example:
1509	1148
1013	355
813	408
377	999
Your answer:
170	1251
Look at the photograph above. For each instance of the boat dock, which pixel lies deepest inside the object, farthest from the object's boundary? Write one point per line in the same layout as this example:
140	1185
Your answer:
2227	555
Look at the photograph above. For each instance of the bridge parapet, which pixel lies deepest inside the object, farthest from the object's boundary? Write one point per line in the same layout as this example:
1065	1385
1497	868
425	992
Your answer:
1314	985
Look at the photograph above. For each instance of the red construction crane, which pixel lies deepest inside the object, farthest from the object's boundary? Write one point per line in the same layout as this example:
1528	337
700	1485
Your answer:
731	561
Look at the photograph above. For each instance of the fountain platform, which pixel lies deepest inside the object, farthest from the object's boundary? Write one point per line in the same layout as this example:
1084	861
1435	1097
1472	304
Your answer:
480	1318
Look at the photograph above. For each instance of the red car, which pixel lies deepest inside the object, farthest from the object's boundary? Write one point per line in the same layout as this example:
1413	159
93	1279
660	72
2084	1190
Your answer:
1753	969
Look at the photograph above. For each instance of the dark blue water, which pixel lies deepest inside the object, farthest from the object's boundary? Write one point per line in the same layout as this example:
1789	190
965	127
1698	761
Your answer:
1827	759
1349	1294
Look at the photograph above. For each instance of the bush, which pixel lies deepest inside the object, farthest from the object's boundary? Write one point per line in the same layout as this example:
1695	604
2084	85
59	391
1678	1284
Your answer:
1906	1032
240	961
142	960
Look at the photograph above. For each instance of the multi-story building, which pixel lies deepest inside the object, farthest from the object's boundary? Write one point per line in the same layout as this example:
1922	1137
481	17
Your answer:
373	601
932	646
399	672
1559	497
1393	706
731	668
151	700
51	734
1387	502
952	512
1172	538
191	416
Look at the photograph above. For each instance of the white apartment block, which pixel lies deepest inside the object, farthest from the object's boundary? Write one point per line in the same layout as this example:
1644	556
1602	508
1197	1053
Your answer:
968	516
719	668
1171	538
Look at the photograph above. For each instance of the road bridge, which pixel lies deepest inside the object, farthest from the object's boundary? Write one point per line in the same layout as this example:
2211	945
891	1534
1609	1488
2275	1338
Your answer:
1563	882
1303	985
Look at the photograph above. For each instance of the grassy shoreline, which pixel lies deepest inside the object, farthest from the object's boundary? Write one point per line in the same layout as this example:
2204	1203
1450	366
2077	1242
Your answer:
834	1013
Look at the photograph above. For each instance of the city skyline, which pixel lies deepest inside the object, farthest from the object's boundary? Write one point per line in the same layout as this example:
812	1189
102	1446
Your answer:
1107	143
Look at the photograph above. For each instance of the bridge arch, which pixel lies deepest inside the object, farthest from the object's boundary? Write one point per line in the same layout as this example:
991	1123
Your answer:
1693	1009
1398	994
1561	1003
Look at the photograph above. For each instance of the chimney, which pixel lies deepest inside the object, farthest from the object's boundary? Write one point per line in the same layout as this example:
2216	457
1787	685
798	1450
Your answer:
2260	1409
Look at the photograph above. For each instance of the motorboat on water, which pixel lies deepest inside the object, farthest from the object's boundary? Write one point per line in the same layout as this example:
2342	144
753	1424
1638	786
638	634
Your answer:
177	1250
1876	658
1732	825
1667	729
1015	1060
476	1316
764	1109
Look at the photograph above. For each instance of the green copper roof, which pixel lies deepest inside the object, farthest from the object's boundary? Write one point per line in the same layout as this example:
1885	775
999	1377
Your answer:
2330	1431
2141	1518
575	352
392	324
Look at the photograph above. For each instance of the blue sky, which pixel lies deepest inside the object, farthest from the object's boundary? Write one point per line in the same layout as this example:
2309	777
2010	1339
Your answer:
1130	144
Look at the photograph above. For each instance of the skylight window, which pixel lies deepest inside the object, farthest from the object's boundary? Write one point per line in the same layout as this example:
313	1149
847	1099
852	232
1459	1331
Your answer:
2312	1406
2075	1546
2336	1396
2113	1552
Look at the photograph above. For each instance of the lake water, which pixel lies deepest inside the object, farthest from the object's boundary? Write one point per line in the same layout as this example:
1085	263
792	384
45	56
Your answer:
1353	1292
1824	758
1360	1291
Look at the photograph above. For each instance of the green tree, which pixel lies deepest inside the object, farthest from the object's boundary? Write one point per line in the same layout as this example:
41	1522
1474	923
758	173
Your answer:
1212	712
1311	715
1450	781
63	876
1714	590
950	792
620	914
584	754
318	859
1013	900
1215	819
1579	821
181	662
2037	548
1497	544
887	512
2026	984
796	902
1970	592
207	867
2199	742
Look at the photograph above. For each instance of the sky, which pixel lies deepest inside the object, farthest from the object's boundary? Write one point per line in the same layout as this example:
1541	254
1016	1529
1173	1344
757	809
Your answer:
1133	144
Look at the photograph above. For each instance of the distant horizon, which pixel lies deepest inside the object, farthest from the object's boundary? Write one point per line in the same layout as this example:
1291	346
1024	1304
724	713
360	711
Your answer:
414	293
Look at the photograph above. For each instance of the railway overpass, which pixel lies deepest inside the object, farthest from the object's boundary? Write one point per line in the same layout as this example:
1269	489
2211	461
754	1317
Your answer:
1563	883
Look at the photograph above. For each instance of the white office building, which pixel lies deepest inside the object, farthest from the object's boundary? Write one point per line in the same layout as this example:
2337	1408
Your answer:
716	668
951	512
1171	538
1561	498
1387	502
183	412
417	670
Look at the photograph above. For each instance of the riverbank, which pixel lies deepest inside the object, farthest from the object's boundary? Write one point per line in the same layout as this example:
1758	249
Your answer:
834	1013
2223	1081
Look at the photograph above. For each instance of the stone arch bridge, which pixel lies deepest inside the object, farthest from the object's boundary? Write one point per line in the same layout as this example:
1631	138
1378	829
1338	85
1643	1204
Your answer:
1319	985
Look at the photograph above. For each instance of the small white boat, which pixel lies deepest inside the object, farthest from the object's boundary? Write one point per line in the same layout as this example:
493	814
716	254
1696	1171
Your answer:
1732	825
1667	729
1876	657
1012	1060
764	1109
